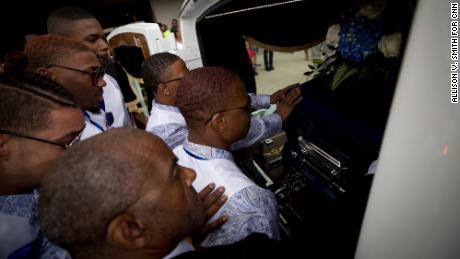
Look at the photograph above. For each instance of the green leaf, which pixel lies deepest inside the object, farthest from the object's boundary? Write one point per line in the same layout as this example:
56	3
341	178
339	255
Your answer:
311	67
309	73
342	72
317	61
331	58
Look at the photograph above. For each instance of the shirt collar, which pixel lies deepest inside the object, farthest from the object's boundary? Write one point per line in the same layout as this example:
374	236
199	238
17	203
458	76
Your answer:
165	107
206	152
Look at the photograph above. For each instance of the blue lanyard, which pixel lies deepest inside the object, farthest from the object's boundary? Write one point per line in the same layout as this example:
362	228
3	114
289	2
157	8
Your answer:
193	155
93	122
102	105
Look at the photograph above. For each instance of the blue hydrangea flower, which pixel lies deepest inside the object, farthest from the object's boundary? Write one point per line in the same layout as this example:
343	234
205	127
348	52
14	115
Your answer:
359	38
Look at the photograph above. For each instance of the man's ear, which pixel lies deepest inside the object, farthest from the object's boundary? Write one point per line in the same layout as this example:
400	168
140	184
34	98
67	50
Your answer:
218	122
4	150
127	230
164	90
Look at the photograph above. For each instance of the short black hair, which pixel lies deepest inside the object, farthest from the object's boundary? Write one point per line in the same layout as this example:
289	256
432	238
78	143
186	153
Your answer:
204	91
49	49
57	18
27	100
78	202
155	69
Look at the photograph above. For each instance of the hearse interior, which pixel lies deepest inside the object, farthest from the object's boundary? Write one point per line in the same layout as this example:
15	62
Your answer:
321	168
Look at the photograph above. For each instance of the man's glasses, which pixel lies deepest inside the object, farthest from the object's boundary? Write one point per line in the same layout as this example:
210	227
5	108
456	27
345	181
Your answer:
96	74
246	107
172	80
65	146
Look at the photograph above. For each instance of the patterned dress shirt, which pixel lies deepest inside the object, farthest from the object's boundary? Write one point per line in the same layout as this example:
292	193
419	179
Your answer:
20	235
251	209
174	131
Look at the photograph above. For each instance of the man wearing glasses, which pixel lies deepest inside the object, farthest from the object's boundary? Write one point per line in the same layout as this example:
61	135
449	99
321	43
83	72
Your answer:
77	69
216	109
39	121
162	74
79	25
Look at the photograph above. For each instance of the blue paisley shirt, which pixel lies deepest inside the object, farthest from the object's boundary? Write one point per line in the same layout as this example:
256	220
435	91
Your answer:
20	235
251	209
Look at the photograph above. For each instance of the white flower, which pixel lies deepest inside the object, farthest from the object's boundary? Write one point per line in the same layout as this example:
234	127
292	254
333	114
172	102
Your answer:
390	45
332	36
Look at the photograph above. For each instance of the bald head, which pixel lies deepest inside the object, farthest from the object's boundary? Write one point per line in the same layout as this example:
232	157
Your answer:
95	181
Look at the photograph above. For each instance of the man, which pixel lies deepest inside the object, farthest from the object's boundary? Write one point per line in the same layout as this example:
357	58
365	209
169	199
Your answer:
162	74
125	197
77	69
215	106
174	25
39	121
114	209
81	26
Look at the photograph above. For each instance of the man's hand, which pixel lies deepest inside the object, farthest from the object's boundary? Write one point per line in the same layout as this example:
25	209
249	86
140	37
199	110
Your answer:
212	202
280	94
285	106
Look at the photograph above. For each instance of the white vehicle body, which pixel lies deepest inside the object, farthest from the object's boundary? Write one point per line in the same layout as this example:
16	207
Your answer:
413	210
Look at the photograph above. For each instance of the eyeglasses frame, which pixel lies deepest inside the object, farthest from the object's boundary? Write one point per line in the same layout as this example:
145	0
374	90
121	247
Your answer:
95	74
248	107
65	146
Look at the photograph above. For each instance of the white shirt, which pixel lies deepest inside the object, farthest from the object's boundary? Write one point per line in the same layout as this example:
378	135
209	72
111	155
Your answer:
114	103
95	123
251	209
168	123
163	114
182	247
222	172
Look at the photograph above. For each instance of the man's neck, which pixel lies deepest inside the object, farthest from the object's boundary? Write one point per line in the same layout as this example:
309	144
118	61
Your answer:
165	101
206	138
94	110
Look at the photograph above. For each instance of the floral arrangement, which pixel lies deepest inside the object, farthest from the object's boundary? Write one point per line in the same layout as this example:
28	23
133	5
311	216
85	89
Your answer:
349	45
359	38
